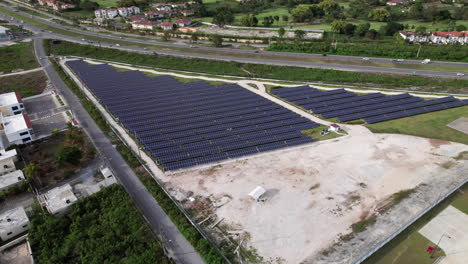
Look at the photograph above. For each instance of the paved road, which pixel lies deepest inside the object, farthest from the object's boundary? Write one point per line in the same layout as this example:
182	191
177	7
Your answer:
249	56
179	248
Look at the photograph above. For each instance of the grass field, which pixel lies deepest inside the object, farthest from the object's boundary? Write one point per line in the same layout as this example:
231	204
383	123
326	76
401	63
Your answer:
106	3
268	12
412	250
429	125
461	203
26	84
19	56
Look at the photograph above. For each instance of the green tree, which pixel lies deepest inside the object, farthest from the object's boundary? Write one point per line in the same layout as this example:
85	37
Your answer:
217	40
460	28
277	18
285	18
331	9
31	171
349	29
379	14
301	13
338	26
299	35
248	21
194	37
88	5
281	32
361	29
68	154
223	16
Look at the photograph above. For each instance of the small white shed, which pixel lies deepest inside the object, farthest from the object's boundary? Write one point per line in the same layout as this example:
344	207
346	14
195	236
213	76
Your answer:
257	193
334	128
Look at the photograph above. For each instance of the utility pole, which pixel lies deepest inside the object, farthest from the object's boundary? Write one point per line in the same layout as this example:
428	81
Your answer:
437	245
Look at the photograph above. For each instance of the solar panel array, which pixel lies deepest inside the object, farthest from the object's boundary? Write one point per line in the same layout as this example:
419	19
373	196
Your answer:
188	124
373	108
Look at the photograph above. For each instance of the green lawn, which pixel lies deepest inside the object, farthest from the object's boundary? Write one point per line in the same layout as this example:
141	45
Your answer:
268	12
461	203
106	3
79	13
412	250
18	56
429	125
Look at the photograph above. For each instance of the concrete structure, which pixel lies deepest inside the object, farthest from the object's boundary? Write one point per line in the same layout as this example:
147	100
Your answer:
167	25
257	193
334	128
59	199
144	24
11	179
7	161
436	37
5	34
11	104
13	223
18	128
183	22
109	13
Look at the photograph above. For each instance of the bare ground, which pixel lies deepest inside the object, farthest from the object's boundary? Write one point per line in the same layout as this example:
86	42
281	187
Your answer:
315	193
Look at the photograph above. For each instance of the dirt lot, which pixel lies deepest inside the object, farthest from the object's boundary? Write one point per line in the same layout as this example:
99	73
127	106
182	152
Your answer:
16	255
315	193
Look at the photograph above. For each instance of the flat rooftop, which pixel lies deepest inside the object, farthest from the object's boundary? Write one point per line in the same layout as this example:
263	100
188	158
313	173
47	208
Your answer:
15	123
10	98
59	198
11	178
14	217
7	154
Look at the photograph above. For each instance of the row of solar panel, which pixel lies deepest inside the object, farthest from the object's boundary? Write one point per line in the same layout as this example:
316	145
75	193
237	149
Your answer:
247	124
235	153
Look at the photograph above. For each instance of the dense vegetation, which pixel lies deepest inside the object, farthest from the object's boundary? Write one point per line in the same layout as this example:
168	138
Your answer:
256	70
18	56
389	50
204	248
102	228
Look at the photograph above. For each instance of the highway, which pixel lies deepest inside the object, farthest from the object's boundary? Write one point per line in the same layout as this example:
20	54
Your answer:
177	246
336	62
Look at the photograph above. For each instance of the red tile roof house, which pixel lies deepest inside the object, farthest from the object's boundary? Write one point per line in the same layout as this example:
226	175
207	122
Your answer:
183	22
167	25
135	18
145	24
157	14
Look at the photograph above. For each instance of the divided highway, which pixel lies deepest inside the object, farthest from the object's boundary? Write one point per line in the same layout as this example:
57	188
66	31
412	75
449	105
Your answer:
336	62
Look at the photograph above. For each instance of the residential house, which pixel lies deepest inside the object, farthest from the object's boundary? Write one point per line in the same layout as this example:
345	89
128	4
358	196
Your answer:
187	12
167	26
135	18
156	14
13	222
11	179
58	199
11	104
5	34
436	37
183	22
144	24
7	161
18	128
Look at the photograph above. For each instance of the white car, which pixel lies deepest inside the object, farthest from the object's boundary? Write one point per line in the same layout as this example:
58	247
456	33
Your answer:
117	45
426	61
460	74
365	59
400	60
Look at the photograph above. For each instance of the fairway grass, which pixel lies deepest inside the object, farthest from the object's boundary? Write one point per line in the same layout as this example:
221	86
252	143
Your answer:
429	125
412	250
461	203
106	3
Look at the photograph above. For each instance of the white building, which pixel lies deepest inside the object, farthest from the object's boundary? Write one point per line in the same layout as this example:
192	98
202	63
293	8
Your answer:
5	34
11	104
11	179
58	199
257	193
109	13
13	223
7	161
436	37
145	24
18	128
334	128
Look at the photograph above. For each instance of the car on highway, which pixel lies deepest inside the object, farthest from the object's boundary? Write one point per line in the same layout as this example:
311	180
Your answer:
117	45
460	74
426	61
366	59
400	60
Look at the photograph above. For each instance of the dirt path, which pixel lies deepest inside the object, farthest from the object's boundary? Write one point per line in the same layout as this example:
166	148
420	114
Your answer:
21	72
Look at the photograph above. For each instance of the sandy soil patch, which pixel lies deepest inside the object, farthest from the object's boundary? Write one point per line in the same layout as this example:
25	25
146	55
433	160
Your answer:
315	193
